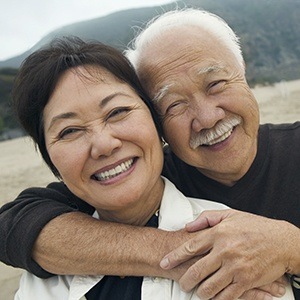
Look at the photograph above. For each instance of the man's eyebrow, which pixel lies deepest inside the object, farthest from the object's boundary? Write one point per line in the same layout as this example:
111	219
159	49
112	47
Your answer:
161	93
203	70
211	69
70	115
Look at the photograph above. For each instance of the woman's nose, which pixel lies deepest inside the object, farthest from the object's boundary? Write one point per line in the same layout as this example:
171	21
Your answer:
104	143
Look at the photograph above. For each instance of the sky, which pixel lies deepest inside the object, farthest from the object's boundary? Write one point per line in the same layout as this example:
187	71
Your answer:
24	22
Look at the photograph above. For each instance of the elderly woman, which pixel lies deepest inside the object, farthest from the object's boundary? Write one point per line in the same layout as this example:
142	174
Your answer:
84	108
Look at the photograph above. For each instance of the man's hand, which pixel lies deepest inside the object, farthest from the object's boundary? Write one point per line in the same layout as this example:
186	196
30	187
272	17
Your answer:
241	252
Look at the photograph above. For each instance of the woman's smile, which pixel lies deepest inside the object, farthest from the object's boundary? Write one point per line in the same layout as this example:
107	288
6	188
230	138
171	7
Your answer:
112	173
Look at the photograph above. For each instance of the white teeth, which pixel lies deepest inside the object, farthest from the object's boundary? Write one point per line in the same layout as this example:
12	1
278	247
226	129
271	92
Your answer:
118	169
115	171
220	139
112	172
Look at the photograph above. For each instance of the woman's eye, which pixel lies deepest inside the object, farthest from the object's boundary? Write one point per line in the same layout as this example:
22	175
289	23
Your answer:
118	112
67	132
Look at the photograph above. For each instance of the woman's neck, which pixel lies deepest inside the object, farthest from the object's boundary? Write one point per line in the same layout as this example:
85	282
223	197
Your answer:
141	211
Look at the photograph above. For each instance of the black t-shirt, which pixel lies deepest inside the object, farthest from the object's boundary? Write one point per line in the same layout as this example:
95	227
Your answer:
270	188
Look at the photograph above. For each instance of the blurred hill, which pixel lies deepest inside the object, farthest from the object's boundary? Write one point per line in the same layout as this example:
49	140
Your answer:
268	30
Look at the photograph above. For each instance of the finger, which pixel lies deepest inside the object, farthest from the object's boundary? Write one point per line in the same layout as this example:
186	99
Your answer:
232	291
222	284
266	292
256	294
200	271
207	219
196	246
212	286
275	289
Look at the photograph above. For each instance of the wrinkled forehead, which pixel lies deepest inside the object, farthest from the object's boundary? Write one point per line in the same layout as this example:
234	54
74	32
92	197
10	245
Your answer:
196	74
181	52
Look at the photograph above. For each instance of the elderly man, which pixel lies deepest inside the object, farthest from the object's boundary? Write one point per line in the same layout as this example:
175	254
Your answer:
211	121
191	65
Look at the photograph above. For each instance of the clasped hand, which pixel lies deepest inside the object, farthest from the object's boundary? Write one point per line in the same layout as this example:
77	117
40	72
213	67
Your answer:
242	256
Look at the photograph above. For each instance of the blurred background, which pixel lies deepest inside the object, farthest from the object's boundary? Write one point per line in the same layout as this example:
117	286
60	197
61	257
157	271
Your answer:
269	34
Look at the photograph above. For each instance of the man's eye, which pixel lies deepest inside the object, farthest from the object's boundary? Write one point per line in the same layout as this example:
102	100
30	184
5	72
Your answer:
216	86
175	109
175	106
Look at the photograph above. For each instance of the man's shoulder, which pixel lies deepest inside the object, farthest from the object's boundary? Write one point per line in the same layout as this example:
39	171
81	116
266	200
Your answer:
281	133
53	190
284	127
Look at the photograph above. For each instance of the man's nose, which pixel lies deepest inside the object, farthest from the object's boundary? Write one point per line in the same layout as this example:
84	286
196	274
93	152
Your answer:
205	115
104	142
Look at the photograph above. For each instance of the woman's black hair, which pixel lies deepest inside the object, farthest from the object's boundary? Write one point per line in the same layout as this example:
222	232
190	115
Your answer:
41	71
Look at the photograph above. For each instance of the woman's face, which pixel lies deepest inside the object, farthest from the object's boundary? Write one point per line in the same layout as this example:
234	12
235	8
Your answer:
101	137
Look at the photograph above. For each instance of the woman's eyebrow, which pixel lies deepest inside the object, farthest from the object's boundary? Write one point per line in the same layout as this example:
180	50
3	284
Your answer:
106	100
63	116
70	115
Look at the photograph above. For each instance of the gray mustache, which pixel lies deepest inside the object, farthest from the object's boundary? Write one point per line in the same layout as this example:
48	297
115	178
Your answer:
207	136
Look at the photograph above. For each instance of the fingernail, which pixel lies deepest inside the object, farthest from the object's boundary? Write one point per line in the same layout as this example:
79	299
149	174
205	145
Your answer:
164	263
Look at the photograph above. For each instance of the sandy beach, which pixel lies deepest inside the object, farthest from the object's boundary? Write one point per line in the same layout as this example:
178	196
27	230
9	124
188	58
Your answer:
21	166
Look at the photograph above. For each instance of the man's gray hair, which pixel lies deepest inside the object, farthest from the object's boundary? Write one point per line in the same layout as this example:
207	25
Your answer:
194	17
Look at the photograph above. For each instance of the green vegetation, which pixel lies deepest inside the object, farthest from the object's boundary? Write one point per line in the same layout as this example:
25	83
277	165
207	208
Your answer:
7	120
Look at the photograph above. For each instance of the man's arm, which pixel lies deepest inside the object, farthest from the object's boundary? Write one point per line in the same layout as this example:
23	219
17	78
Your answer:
65	240
84	245
50	231
22	220
130	250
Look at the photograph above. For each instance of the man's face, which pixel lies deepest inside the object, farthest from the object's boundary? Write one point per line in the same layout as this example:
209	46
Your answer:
210	116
